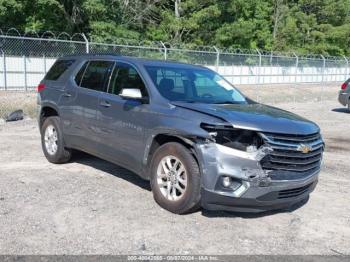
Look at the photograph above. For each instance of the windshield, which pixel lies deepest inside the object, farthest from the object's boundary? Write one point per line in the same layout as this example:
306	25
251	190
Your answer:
193	85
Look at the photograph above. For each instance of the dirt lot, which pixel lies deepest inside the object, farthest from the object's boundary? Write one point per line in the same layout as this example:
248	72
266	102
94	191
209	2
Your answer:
90	206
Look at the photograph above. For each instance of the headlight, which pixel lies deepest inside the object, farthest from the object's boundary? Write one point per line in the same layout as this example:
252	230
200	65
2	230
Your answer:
226	135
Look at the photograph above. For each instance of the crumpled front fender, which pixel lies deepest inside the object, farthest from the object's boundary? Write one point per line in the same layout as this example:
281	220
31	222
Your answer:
217	160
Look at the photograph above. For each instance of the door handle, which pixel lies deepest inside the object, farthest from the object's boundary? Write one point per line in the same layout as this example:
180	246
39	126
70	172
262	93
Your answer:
67	94
105	104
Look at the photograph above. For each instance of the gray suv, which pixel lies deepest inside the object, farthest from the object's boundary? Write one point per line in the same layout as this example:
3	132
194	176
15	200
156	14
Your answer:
194	136
344	94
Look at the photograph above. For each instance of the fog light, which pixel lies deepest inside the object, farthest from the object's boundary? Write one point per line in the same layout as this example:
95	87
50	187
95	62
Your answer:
226	181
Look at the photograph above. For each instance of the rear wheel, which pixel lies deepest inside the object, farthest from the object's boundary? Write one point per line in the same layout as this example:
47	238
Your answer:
175	178
52	141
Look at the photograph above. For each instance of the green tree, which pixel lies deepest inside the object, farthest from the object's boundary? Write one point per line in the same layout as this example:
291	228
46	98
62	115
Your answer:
316	26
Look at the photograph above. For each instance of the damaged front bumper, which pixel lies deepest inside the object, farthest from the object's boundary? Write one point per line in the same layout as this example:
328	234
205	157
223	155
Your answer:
252	188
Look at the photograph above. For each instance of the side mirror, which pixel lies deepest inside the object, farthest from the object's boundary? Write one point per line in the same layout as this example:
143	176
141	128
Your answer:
133	93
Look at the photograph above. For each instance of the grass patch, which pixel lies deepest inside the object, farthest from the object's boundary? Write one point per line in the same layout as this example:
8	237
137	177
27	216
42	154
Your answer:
14	100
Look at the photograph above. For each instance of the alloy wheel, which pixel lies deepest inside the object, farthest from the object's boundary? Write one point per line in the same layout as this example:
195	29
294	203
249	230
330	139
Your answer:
51	138
172	178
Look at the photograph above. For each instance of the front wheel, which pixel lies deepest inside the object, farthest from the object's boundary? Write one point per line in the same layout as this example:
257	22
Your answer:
175	178
52	141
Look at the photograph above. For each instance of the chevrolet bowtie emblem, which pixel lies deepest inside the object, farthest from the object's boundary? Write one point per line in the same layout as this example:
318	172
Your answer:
304	148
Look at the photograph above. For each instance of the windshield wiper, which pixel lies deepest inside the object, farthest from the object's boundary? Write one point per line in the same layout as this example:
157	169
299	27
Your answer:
186	101
227	102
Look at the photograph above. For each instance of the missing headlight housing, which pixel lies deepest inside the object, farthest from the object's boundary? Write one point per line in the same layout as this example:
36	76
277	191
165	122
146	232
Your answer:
226	135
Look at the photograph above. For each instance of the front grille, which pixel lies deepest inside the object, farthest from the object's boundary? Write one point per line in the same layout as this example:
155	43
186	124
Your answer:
293	192
287	152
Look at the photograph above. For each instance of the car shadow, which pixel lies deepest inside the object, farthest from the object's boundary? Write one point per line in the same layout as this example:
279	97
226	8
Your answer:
110	168
127	175
341	110
216	214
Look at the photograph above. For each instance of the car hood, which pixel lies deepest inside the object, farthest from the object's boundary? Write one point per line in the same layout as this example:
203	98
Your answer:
256	117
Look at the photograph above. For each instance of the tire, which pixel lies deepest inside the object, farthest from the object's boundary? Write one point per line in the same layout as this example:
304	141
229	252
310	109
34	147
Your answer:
55	154
189	199
349	106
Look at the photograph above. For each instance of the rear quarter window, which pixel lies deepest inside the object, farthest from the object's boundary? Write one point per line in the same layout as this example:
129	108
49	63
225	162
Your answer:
96	75
58	68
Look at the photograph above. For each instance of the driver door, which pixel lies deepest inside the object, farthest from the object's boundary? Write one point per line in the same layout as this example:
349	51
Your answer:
122	120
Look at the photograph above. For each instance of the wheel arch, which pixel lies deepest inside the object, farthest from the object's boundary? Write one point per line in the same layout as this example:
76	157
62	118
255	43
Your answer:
46	111
162	138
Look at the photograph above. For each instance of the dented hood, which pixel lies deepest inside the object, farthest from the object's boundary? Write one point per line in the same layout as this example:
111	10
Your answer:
256	117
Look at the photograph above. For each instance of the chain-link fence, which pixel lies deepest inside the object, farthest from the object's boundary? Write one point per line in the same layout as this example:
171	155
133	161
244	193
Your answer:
269	77
26	58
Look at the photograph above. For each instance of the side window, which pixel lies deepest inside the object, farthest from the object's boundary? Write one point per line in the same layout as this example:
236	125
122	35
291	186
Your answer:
125	76
96	75
58	68
79	76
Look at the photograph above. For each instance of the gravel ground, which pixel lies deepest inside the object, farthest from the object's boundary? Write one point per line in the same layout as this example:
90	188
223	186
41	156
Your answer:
90	206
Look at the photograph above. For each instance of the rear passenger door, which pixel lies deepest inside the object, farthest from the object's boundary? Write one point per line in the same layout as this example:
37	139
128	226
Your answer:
122	120
93	80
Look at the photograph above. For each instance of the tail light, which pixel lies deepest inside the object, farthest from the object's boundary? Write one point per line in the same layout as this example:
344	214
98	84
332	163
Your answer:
40	87
344	85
